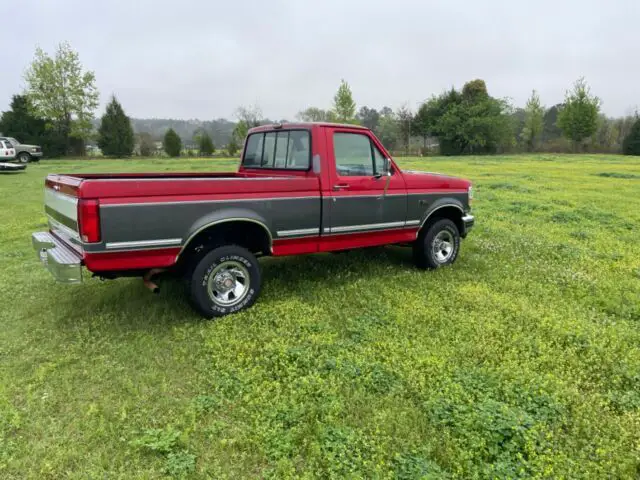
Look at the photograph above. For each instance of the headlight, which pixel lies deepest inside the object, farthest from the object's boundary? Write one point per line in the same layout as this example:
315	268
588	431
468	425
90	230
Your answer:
34	150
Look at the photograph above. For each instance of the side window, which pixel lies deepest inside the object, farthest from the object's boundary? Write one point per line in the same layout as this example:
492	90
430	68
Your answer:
299	153
282	146
353	154
253	152
268	153
378	159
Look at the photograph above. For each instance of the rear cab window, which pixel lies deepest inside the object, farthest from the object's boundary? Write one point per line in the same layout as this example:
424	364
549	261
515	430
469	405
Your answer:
278	149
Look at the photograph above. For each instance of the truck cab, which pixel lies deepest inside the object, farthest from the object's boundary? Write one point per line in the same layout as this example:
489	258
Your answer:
300	188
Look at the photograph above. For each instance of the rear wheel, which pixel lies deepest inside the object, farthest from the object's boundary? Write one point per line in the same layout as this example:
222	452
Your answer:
437	245
225	280
24	157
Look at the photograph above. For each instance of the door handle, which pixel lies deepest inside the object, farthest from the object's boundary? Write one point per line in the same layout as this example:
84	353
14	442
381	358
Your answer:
341	186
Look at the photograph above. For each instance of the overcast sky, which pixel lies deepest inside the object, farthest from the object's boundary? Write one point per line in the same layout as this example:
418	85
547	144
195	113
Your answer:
204	58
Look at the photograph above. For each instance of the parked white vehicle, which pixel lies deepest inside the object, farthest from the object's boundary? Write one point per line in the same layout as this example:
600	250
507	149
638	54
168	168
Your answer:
7	153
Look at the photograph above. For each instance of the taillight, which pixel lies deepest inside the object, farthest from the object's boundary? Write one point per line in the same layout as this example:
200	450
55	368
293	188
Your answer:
89	220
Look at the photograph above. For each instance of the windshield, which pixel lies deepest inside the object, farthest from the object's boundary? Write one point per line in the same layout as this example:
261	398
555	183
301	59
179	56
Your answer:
13	140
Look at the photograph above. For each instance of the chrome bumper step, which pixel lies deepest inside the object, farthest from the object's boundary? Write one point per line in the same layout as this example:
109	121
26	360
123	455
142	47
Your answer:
63	263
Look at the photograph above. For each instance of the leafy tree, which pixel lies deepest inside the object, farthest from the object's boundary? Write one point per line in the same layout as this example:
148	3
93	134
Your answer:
250	116
172	143
344	107
578	119
388	131
533	123
115	135
240	132
314	114
424	121
551	131
470	121
404	118
20	123
205	144
62	93
475	90
631	143
369	117
146	145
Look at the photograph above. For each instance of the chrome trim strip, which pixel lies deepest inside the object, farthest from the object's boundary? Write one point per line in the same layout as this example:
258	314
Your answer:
373	195
438	192
144	243
371	226
300	231
412	222
468	218
64	204
175	178
230	200
56	225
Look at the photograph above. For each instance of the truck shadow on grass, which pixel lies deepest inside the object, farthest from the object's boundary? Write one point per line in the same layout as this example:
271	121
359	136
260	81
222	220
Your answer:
125	304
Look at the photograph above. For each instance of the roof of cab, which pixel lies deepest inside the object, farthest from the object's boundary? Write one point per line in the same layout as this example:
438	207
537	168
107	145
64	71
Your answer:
305	125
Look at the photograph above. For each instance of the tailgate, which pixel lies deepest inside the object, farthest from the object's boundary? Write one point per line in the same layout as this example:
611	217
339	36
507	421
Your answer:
61	207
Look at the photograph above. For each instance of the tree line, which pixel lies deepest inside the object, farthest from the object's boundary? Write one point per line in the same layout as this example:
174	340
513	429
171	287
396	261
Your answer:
58	106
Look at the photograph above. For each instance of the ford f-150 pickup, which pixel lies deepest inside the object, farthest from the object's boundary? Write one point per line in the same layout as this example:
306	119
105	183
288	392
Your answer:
300	188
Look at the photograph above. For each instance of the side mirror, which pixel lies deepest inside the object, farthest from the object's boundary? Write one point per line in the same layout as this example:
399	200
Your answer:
387	167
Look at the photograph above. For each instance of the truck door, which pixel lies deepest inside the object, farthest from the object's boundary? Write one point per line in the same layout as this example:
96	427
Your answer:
363	197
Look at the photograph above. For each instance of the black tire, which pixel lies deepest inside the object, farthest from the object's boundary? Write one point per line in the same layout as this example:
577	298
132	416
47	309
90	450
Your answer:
219	262
425	252
24	157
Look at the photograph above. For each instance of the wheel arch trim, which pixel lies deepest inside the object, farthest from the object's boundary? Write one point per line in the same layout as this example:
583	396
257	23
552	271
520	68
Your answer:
221	221
440	206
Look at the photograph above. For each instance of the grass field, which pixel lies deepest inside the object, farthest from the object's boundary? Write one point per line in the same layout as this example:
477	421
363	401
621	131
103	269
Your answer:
522	360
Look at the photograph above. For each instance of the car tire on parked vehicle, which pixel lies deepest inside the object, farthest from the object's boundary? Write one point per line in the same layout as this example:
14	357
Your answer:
437	245
24	157
225	280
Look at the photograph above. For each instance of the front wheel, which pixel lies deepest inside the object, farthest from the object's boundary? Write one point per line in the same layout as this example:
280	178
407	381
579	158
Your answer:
437	245
226	280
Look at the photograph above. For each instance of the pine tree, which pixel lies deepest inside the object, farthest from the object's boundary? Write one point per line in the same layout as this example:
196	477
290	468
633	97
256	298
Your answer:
631	144
172	143
115	135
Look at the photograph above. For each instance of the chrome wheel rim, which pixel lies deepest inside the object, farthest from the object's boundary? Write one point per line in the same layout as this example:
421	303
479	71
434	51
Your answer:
228	284
443	246
23	158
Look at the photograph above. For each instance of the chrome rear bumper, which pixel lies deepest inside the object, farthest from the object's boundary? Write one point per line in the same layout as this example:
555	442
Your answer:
63	263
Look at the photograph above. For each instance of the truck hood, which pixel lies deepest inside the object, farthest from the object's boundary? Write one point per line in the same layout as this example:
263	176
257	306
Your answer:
446	181
24	145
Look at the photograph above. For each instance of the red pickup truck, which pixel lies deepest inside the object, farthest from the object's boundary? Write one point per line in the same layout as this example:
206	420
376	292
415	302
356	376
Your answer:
301	188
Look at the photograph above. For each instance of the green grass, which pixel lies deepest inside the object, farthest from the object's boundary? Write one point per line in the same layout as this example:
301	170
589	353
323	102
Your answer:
520	361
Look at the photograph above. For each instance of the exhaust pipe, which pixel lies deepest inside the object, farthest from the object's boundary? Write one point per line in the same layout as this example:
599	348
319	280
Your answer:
146	279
